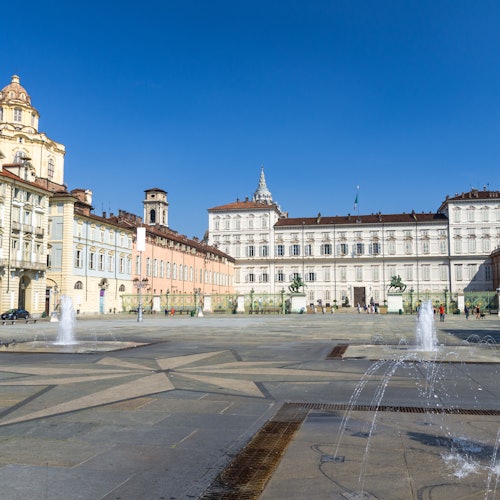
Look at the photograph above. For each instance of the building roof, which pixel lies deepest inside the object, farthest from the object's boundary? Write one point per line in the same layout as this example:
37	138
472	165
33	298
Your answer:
379	218
472	195
243	206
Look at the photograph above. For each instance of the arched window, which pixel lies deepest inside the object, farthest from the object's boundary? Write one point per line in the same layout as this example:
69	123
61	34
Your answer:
78	285
122	288
152	216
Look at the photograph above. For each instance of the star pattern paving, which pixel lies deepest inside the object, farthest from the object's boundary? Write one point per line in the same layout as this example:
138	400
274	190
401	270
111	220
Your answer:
111	380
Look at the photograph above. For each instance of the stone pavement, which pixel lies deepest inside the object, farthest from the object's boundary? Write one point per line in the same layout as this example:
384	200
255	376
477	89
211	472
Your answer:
172	418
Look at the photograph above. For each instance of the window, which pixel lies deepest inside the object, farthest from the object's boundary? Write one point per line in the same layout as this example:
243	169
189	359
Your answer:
443	273
78	285
487	272
50	168
264	251
343	249
250	251
375	248
425	246
472	271
122	288
101	262
360	248
458	245
122	265
391	248
408	273
18	114
295	250
280	276
326	274
148	267
280	250
458	272
442	246
264	278
78	259
308	249
251	277
486	245
426	273
343	273
152	216
472	245
92	260
110	263
408	247
375	273
470	214
311	276
359	273
326	249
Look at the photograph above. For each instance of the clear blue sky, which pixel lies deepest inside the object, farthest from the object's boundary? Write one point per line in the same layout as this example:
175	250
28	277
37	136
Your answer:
398	97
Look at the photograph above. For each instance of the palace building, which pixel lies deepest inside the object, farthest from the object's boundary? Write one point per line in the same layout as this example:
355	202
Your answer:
351	259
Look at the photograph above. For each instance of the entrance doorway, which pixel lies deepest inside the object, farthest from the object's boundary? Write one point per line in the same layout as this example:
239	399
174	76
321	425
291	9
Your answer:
24	284
359	295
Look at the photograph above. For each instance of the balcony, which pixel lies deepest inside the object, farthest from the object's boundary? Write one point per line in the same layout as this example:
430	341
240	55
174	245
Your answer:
26	264
39	232
16	226
27	228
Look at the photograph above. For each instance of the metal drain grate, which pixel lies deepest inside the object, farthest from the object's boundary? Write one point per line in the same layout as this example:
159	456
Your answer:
338	351
400	409
247	475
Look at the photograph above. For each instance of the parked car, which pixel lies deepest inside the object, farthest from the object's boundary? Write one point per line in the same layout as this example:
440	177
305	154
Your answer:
15	313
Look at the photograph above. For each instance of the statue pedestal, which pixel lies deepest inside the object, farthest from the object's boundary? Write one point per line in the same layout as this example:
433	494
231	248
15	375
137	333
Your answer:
298	302
394	302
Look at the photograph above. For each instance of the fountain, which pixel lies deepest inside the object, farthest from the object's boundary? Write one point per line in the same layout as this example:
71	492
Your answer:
453	432
66	328
426	328
66	341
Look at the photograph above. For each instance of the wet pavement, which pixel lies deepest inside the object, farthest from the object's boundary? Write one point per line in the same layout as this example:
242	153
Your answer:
177	415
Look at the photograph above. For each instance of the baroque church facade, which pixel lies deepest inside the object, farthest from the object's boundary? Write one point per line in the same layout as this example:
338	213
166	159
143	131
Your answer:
351	259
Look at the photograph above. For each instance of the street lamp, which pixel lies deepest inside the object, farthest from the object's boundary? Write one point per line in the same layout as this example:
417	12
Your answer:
140	284
252	291
445	300
411	300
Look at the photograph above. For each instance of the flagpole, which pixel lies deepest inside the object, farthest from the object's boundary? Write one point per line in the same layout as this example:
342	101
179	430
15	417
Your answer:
356	204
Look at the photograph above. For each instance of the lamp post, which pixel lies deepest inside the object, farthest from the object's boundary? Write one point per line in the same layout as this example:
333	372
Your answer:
411	300
140	284
282	293
166	308
252	291
446	300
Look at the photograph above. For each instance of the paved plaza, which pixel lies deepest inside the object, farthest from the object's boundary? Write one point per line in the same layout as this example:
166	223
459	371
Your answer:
271	407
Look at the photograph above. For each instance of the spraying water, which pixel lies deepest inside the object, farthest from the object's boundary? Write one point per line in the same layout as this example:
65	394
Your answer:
426	328
66	333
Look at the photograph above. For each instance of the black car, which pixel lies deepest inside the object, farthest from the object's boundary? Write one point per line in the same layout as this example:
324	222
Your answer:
15	313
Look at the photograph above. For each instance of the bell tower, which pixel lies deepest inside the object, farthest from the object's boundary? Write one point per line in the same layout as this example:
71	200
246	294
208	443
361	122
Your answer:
156	207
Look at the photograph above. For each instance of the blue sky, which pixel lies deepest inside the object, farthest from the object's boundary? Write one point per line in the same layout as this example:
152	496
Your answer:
193	97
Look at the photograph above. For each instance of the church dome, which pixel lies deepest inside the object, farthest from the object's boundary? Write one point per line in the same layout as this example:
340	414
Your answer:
14	92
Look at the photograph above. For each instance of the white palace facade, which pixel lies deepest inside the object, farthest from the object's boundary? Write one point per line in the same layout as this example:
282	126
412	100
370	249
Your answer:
352	258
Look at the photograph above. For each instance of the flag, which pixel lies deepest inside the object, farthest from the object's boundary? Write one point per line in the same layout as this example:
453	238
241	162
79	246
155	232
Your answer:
356	200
